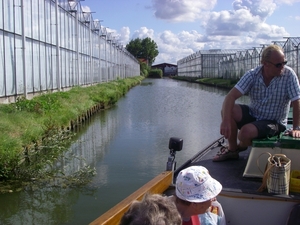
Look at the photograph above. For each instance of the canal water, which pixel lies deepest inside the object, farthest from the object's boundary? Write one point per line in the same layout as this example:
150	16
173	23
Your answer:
128	146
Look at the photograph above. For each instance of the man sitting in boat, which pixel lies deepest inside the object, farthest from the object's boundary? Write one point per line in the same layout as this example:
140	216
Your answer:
272	86
152	210
195	192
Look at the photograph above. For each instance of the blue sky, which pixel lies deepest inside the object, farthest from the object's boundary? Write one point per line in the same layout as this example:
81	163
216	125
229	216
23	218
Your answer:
182	27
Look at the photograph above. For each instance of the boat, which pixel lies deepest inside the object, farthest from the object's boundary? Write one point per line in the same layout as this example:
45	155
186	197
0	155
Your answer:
241	201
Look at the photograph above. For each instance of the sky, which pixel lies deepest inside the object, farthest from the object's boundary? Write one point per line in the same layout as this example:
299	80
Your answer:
183	27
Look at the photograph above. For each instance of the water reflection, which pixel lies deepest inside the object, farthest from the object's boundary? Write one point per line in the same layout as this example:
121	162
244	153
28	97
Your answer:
53	205
90	146
40	206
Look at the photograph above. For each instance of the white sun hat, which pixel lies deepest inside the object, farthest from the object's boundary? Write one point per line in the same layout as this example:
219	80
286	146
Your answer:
194	184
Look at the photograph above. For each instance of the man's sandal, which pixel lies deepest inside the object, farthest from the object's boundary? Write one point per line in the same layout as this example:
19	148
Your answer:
225	154
239	148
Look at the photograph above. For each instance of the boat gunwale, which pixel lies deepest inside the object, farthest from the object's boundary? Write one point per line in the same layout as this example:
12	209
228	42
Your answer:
157	185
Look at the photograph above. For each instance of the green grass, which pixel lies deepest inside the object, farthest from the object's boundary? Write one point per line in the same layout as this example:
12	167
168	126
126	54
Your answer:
26	123
219	82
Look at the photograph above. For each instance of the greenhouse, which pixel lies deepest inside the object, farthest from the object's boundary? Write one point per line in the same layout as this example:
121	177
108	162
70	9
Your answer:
232	64
52	45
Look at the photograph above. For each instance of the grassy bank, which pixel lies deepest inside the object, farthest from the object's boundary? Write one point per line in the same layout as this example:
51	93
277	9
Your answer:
28	124
216	82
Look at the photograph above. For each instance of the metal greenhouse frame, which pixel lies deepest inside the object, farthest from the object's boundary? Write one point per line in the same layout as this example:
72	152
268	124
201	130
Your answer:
54	45
232	64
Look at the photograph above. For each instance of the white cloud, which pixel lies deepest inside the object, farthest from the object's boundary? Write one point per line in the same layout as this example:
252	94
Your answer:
288	2
124	36
242	27
271	32
181	10
260	8
142	33
173	47
231	23
247	18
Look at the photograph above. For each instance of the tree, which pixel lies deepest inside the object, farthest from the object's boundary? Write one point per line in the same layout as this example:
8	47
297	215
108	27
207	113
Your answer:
143	49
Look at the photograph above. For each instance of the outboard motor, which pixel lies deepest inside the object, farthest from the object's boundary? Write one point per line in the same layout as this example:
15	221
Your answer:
175	144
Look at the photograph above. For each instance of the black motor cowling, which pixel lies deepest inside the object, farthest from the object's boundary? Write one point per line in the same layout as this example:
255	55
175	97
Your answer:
175	145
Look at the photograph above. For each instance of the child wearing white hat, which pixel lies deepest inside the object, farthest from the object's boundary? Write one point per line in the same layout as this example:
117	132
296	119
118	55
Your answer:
196	191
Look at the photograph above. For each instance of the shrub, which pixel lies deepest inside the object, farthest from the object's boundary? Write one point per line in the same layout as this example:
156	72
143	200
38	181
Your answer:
156	73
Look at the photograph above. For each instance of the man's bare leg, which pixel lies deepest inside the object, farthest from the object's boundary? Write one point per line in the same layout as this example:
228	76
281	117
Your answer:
247	134
236	117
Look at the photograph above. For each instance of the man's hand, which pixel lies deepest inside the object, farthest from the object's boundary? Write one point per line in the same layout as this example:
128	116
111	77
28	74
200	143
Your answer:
294	133
225	129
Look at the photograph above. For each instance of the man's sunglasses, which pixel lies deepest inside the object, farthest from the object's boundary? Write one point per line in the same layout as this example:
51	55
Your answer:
278	65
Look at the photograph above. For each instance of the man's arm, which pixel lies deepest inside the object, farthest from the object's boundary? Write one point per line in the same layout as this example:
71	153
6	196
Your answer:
296	119
229	102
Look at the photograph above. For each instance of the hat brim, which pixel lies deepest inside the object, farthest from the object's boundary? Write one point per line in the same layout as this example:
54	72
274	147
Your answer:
198	195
